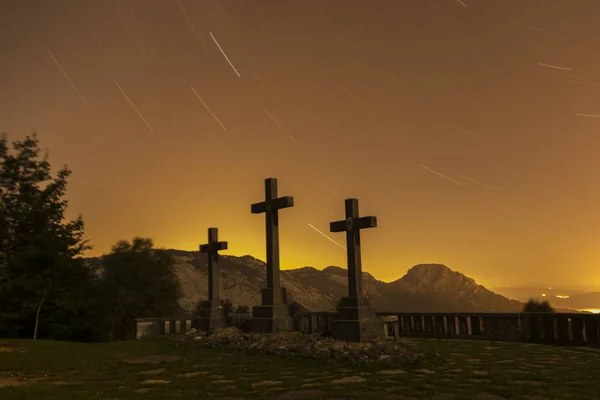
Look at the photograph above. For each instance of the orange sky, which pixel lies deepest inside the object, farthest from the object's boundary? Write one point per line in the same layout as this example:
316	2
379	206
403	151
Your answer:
372	100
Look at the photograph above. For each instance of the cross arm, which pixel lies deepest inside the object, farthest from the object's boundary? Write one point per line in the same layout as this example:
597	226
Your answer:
275	204
258	208
366	222
337	226
358	223
216	246
282	202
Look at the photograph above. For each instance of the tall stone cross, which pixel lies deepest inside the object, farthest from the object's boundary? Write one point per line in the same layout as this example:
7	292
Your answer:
271	207
212	249
352	226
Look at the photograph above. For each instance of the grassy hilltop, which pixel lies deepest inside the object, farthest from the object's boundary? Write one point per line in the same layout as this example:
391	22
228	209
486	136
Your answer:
163	369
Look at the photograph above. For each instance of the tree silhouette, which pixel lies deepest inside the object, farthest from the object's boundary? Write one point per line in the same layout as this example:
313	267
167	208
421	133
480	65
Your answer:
39	249
537	306
139	281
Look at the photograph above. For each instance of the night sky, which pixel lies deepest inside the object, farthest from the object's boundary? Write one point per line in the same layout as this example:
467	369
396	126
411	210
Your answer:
470	128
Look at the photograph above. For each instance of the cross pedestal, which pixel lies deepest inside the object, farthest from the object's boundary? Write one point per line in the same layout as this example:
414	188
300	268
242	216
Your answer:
211	314
356	320
273	314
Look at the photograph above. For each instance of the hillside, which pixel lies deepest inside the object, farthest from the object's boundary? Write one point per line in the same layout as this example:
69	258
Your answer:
559	298
424	288
578	301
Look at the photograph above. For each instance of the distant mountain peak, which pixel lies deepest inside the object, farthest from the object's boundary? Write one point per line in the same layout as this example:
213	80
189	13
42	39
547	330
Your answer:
432	268
433	271
332	269
307	269
424	288
437	278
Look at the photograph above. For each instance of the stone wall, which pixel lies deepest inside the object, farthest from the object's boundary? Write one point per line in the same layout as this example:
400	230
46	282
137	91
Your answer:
554	328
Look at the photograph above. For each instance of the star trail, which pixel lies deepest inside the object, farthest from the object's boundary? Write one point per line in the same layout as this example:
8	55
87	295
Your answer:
470	128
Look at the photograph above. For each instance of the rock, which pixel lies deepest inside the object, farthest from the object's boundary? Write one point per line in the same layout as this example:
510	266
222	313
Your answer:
314	346
391	372
151	359
192	332
425	371
153	371
489	396
192	374
349	379
143	390
480	373
267	383
301	394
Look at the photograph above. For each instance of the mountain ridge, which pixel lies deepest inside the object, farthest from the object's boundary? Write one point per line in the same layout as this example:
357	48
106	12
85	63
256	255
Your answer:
424	288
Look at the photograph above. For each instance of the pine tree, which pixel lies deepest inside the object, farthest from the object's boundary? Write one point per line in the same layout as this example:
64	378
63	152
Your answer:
38	247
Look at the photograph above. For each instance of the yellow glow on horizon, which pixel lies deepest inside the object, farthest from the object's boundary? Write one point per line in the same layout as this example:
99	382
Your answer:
592	310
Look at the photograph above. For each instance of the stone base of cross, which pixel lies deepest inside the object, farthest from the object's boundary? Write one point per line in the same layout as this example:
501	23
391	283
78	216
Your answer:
211	316
274	313
356	321
271	319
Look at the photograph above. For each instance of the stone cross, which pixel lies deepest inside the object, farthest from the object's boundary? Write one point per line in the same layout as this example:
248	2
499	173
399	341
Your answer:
212	250
352	226
270	207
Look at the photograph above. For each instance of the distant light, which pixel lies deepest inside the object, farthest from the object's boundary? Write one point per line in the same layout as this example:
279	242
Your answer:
543	294
549	288
561	296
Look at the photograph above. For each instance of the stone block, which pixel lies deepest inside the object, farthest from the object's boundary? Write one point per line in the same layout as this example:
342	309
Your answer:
356	321
390	327
211	316
270	296
270	318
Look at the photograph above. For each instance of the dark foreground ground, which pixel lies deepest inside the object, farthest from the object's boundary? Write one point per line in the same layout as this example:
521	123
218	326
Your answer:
466	370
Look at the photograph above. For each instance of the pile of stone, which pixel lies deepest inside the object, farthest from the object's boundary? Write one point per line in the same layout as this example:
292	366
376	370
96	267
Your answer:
314	346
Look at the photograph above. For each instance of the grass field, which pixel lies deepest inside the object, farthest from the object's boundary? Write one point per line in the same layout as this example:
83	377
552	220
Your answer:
49	370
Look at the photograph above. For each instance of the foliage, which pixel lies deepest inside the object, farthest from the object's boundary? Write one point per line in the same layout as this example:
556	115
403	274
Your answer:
198	306
242	309
139	282
227	307
39	248
537	306
365	300
296	307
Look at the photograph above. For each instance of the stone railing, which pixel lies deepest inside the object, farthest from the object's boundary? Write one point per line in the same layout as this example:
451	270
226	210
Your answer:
162	326
145	327
550	328
311	322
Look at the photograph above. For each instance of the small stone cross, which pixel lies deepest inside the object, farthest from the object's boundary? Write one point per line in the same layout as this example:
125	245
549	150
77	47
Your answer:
352	226
212	249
